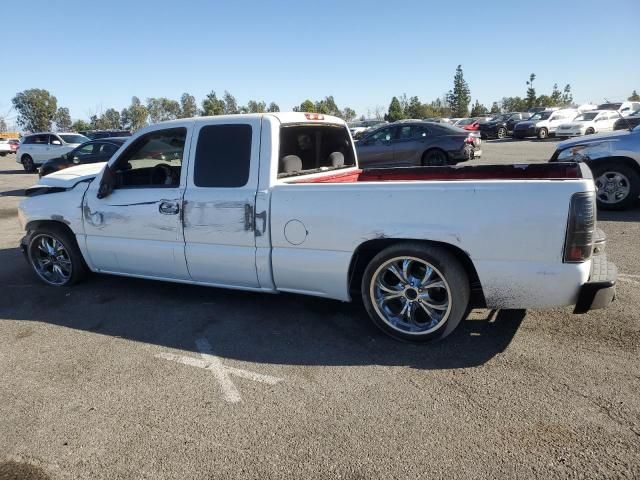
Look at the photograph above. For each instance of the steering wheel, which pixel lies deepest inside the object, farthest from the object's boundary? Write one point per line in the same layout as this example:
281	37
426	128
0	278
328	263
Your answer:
161	174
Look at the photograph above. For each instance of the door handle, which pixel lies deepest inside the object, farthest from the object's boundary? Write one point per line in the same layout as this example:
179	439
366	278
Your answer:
168	207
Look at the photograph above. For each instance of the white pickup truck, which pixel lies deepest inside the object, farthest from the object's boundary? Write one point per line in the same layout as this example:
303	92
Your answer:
276	203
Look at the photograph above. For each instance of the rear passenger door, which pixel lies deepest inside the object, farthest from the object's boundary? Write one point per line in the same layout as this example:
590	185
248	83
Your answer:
411	143
39	148
219	203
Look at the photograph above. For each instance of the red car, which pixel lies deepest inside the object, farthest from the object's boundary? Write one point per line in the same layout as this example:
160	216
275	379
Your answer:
470	124
14	144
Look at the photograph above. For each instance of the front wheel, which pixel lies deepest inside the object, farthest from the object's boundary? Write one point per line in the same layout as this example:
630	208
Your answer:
590	131
543	133
617	186
55	257
502	132
415	292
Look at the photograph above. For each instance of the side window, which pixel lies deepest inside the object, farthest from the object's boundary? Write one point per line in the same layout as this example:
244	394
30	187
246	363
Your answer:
418	132
153	160
85	150
108	149
223	156
383	135
405	132
29	140
41	139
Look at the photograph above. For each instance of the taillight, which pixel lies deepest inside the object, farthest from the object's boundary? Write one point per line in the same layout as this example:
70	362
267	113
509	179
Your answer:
581	226
314	116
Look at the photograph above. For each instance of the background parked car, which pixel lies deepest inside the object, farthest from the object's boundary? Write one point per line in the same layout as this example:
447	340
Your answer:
588	123
614	159
96	134
415	143
543	124
5	147
502	125
625	108
627	123
14	144
93	151
38	148
470	124
358	128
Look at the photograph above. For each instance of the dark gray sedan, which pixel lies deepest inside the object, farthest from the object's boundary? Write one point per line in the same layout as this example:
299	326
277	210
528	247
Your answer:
416	143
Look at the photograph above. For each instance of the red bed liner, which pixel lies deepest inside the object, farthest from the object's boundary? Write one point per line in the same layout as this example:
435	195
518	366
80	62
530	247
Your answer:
531	171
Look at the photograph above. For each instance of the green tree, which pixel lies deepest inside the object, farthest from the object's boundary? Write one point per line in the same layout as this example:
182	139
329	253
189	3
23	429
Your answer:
308	106
135	116
555	98
211	105
478	109
327	106
567	96
256	107
273	107
161	109
36	109
460	97
414	108
80	126
531	92
495	108
348	114
110	119
230	104
62	120
544	101
634	97
395	111
188	106
514	104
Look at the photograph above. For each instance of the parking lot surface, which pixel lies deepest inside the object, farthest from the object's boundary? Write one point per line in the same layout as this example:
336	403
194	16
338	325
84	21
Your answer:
119	378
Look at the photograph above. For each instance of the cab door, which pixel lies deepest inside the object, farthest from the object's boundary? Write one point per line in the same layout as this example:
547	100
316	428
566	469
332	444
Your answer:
132	212
219	214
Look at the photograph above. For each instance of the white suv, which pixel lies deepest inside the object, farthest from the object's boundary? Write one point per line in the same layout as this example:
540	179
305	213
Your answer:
545	123
37	148
594	121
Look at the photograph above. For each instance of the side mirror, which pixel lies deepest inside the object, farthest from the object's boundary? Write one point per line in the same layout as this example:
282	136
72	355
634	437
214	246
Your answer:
106	182
56	142
75	160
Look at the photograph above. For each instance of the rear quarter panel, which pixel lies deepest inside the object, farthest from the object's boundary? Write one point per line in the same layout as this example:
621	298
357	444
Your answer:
513	231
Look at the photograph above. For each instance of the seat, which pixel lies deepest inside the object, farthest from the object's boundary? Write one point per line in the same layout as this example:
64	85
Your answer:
336	159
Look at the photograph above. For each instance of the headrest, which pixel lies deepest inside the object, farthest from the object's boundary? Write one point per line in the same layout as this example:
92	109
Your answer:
336	159
291	163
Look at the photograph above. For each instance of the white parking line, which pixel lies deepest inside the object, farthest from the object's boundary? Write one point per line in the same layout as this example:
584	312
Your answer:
214	364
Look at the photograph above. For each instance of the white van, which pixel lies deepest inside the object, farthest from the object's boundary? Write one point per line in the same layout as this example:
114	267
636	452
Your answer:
544	123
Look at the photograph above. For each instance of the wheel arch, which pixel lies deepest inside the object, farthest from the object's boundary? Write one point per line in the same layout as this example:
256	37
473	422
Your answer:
434	149
365	252
627	161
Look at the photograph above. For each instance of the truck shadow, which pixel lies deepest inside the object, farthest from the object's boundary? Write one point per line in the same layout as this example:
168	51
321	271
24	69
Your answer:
262	328
630	215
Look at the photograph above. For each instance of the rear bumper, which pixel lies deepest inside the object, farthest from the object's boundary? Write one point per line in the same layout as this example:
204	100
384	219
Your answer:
600	290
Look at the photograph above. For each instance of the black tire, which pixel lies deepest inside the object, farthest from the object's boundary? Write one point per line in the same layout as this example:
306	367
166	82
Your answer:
502	133
543	133
79	269
3	154
445	266
590	131
434	158
27	164
630	177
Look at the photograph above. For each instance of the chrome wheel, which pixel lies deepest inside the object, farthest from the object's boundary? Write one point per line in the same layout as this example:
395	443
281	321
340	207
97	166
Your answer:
50	259
502	132
613	187
410	295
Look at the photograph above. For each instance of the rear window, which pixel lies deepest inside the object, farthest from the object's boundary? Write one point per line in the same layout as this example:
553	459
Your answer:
314	148
223	156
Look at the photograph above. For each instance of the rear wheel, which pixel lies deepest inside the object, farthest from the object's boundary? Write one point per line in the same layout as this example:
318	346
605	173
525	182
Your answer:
543	133
434	158
502	132
27	163
618	186
415	292
590	131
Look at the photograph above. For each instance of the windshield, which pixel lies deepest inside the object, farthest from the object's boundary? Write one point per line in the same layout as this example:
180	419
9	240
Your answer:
585	117
314	148
74	138
540	116
609	106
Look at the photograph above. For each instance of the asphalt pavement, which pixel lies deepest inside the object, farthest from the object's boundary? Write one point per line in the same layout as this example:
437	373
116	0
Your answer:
120	378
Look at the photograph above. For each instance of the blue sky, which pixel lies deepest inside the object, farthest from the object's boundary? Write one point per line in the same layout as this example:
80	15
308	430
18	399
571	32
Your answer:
96	55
